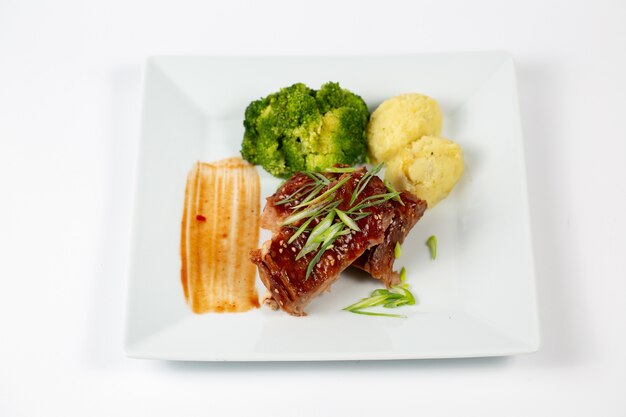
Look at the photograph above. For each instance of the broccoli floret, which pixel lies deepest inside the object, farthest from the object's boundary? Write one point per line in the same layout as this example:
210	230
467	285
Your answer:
249	147
299	129
331	96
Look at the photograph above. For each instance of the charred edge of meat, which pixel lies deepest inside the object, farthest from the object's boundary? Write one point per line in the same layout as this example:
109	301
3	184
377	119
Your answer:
379	260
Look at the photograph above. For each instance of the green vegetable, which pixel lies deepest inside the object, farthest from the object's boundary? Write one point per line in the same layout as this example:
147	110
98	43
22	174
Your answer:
313	211
316	259
397	251
339	170
364	181
393	190
300	230
371	313
403	276
371	201
432	245
325	194
347	220
316	237
396	296
301	129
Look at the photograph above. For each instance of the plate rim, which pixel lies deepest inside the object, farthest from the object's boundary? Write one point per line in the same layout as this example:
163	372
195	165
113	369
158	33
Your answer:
133	351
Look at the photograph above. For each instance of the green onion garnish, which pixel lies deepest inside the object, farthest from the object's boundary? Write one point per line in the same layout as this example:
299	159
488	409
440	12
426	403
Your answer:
322	178
291	197
316	259
326	193
372	313
372	201
309	212
393	190
365	179
338	170
300	230
432	245
332	234
319	230
313	194
347	220
397	251
394	297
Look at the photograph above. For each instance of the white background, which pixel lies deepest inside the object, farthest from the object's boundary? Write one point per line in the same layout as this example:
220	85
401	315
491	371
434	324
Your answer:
69	104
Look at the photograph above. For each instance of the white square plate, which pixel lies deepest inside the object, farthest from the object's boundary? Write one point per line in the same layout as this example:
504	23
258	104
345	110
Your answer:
476	299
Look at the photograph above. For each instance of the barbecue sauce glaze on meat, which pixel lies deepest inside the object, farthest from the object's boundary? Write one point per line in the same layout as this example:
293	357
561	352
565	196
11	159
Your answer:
284	276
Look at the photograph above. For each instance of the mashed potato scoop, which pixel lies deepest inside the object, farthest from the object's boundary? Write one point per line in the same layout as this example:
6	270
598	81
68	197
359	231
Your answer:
404	133
399	121
428	167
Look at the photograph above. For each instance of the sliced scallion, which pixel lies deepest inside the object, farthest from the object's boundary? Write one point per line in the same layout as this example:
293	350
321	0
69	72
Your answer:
394	297
339	170
397	251
309	212
300	230
318	231
326	193
347	220
332	233
393	190
373	313
432	245
365	179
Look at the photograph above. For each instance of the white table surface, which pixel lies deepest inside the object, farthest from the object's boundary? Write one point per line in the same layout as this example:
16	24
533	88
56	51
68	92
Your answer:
69	103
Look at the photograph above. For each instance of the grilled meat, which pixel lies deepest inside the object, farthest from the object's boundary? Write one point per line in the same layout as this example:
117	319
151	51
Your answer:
381	224
378	260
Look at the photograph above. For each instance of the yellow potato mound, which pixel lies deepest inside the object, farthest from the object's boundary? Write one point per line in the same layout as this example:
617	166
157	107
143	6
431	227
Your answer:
399	121
429	168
